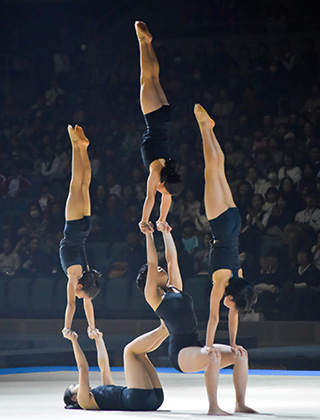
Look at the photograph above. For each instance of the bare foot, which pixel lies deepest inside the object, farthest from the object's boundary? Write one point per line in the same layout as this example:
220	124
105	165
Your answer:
142	31
77	136
244	409
202	116
217	412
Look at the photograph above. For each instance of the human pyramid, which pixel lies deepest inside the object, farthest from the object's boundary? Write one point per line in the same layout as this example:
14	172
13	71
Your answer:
163	290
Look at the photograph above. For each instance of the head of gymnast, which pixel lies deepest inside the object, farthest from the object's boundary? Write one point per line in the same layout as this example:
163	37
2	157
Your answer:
143	391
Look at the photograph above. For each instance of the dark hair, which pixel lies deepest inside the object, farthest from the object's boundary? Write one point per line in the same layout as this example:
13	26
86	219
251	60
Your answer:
67	398
90	284
170	177
243	293
142	278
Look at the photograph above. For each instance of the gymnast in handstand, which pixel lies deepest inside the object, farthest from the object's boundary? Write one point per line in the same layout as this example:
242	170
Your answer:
143	391
82	281
155	152
225	222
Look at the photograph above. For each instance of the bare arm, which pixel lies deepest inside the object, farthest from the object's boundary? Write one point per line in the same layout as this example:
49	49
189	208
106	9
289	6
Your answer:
151	288
102	356
71	301
85	399
172	260
89	311
152	184
217	293
166	201
233	318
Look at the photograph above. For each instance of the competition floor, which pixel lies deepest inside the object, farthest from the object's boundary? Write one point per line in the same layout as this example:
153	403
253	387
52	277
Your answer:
275	394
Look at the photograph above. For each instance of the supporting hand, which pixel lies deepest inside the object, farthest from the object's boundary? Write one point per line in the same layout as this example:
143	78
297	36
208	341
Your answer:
69	334
146	227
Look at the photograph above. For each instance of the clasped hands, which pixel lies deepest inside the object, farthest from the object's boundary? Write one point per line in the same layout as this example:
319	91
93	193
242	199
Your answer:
148	228
71	335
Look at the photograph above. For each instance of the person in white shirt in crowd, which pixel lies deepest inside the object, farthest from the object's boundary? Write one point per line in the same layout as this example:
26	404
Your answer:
258	184
9	259
305	227
290	169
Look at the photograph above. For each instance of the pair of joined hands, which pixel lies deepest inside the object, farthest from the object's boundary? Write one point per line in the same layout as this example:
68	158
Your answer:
212	351
93	333
148	228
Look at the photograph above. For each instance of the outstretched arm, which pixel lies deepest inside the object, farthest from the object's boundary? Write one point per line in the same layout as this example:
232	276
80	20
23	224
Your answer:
151	288
85	399
71	302
102	356
89	311
152	184
217	293
171	258
166	201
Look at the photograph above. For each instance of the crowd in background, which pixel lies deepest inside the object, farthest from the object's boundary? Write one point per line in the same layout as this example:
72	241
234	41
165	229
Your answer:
265	99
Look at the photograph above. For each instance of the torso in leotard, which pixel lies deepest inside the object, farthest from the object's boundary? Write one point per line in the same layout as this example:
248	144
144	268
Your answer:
177	312
155	144
72	249
112	397
224	250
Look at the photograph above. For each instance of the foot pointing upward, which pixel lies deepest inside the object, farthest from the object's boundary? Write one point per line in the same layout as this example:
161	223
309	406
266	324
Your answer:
142	31
202	116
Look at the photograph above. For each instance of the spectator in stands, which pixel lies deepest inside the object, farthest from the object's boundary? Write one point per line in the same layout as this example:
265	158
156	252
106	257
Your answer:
32	260
258	184
293	197
289	169
15	185
305	228
45	200
9	259
189	239
201	257
298	300
33	223
273	274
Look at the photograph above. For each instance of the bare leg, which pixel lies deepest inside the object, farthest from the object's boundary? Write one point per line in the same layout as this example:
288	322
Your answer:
193	359
74	204
86	171
152	96
240	375
139	371
217	196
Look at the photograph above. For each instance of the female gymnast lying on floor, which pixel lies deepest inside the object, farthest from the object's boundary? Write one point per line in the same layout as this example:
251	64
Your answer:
143	391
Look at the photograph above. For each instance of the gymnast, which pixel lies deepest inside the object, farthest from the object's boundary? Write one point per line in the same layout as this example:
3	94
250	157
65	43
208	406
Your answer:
82	282
225	222
143	391
155	145
163	292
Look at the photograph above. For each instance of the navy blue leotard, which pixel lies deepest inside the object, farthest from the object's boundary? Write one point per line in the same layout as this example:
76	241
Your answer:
72	249
177	312
112	397
155	144
224	251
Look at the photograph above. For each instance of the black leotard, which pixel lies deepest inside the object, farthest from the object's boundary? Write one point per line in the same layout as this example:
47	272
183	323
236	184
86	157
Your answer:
177	312
72	249
224	251
155	144
112	397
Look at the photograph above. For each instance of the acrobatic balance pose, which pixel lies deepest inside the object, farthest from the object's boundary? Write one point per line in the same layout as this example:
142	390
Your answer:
82	282
155	146
143	391
225	223
163	291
